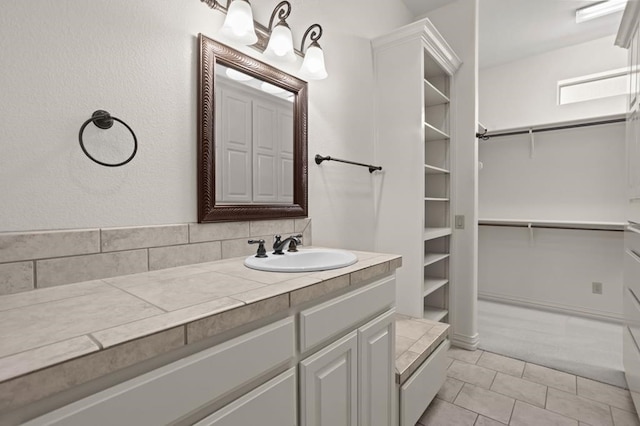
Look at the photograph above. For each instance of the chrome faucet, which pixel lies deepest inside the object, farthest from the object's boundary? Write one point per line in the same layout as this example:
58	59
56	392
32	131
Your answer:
294	241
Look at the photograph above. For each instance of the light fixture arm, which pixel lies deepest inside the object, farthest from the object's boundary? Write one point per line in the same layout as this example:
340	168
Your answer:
313	35
284	9
216	5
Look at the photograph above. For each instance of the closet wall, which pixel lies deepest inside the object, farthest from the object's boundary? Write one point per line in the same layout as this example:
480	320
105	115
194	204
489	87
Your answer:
568	176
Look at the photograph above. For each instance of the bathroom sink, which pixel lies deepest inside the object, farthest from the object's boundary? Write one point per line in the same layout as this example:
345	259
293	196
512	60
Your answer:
305	260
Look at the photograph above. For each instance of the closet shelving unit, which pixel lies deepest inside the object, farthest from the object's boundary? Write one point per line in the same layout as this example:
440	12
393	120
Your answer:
415	70
437	208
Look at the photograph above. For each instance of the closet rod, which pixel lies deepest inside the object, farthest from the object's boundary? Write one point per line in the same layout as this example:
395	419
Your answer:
577	228
484	136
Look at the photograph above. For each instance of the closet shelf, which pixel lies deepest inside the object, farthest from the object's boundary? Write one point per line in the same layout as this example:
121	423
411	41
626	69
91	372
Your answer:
433	96
432	284
432	170
434	134
558	125
435	199
432	233
560	224
434	314
431	258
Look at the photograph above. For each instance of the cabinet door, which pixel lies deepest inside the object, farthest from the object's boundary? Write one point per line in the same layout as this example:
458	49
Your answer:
376	349
272	404
328	385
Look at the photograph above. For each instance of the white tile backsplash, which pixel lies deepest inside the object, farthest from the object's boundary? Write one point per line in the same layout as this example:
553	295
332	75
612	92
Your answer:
30	260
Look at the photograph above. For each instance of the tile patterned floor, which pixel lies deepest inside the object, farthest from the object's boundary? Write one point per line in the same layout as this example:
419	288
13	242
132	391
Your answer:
486	389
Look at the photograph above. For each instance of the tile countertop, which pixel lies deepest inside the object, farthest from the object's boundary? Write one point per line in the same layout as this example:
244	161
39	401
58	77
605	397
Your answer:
416	339
92	328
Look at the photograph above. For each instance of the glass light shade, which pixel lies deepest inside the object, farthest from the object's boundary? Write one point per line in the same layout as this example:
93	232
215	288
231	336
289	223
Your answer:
313	65
280	45
238	24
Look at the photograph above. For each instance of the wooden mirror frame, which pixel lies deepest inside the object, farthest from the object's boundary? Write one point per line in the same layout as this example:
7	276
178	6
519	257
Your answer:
212	52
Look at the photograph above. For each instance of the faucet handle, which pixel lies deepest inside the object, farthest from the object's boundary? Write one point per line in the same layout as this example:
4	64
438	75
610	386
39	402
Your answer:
262	252
276	240
295	242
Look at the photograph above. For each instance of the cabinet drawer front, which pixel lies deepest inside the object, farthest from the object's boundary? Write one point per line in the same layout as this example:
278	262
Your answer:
343	313
423	385
272	404
631	361
177	389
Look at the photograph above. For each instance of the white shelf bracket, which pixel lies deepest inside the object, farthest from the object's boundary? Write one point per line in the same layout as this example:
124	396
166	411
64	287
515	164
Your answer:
532	144
530	232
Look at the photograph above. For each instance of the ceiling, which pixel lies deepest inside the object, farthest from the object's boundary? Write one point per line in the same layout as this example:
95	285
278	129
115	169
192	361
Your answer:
515	29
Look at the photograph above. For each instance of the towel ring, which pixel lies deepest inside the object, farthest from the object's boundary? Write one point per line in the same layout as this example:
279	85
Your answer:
104	120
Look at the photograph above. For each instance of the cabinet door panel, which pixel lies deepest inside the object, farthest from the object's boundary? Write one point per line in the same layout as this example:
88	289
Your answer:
328	388
376	349
272	404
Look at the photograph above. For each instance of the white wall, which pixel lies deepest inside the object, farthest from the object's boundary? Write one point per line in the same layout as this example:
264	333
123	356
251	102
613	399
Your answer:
552	268
524	93
64	59
573	175
458	23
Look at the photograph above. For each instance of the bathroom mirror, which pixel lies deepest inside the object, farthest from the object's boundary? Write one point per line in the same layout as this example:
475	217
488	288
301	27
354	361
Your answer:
252	138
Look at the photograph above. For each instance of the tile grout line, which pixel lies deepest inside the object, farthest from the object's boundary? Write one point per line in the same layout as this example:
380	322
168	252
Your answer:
35	275
475	422
96	341
613	422
513	408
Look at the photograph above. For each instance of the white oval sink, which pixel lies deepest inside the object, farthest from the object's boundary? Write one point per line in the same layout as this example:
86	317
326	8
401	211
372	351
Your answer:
305	260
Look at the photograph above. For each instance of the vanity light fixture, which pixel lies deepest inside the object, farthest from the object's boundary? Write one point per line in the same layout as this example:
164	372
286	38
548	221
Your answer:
238	24
276	41
313	67
280	45
599	9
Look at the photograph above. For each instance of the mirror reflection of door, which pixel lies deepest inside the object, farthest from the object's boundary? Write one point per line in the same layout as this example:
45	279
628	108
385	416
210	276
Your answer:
254	140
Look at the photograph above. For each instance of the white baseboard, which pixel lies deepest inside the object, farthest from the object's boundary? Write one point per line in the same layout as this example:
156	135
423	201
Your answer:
553	307
469	343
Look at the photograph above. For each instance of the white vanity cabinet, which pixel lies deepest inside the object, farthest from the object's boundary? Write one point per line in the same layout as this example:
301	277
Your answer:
329	363
351	381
